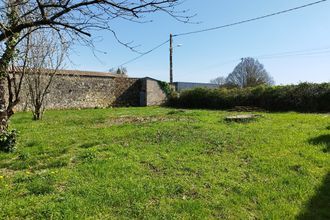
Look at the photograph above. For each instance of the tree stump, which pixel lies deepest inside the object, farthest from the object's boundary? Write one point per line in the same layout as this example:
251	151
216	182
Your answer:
242	118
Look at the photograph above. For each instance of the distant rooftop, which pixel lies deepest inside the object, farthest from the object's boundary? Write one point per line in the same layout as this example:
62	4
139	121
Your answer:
179	86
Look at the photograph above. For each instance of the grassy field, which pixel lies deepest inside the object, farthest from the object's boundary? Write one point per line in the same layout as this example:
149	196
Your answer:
159	163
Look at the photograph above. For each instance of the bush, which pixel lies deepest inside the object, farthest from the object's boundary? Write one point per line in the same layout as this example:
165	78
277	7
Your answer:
305	97
8	141
165	87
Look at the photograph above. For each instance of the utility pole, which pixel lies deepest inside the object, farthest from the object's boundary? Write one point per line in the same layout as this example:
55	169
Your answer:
171	58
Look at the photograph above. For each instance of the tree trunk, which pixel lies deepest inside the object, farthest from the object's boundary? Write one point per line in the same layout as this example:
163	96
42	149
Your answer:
4	64
5	59
3	109
37	111
36	114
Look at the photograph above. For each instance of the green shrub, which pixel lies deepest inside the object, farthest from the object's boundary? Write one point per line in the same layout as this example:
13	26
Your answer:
305	97
8	141
166	88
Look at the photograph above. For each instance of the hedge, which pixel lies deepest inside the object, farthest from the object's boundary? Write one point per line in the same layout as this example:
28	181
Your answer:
305	97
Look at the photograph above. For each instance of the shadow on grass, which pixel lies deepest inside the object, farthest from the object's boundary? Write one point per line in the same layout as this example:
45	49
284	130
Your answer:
319	206
322	140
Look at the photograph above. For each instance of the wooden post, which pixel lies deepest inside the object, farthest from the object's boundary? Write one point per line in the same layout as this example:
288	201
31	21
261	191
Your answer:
171	58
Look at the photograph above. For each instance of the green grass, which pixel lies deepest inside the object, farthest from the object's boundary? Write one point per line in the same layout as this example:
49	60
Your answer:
158	163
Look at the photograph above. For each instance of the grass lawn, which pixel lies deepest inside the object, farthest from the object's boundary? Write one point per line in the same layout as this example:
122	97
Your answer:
159	163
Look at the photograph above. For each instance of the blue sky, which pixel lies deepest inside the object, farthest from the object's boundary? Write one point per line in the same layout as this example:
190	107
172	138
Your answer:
207	55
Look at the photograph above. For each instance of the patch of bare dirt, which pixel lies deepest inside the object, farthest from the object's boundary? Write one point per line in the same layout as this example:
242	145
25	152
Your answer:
142	120
4	172
242	118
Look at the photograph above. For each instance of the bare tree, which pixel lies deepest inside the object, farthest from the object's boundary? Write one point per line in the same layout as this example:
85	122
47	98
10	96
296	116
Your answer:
220	81
45	57
248	73
122	71
71	19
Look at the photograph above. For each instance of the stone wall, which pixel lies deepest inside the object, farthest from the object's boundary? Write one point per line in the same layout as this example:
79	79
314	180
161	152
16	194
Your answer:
88	92
154	93
77	92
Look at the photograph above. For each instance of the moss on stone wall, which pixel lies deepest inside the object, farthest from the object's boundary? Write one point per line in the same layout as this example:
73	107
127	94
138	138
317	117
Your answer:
165	87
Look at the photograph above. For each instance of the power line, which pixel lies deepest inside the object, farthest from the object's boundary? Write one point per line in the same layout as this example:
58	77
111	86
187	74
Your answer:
224	26
304	52
295	55
250	20
143	54
297	52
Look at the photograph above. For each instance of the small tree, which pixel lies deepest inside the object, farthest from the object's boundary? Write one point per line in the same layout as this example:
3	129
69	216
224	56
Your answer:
220	81
119	71
249	73
45	58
